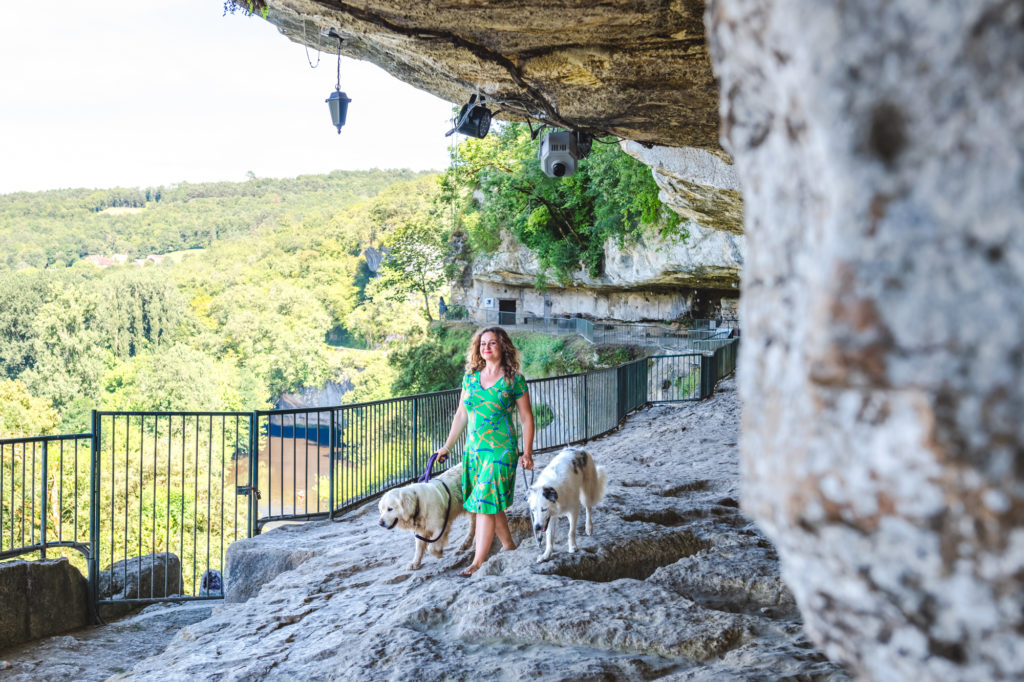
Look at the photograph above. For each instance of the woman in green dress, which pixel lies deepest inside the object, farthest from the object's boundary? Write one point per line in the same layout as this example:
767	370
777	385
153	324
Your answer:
491	389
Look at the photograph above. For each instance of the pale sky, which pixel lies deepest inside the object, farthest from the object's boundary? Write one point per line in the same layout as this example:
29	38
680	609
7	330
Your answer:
136	93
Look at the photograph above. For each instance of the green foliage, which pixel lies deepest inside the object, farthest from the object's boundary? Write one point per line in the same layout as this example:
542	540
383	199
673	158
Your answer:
437	363
543	415
565	221
225	327
22	414
40	229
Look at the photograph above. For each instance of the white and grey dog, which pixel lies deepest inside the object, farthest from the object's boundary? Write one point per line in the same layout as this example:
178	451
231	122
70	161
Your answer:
423	508
570	480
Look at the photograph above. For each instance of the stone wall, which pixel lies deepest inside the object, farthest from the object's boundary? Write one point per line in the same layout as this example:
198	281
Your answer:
880	146
39	599
624	306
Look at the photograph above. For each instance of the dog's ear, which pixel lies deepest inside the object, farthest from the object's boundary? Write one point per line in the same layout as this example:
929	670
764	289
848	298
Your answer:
404	505
550	494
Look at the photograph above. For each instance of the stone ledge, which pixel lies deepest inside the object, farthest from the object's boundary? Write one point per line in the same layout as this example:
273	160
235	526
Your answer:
40	598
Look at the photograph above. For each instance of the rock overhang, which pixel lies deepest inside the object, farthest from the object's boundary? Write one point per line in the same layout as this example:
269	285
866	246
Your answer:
640	71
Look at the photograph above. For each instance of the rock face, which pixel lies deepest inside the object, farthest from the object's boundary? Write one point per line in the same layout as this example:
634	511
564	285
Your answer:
709	259
40	598
652	279
880	146
698	185
636	70
675	583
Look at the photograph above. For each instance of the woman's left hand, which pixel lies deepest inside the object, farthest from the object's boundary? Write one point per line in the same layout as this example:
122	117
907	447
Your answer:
528	461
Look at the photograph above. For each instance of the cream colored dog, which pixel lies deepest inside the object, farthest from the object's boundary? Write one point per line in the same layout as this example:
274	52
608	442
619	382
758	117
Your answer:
422	508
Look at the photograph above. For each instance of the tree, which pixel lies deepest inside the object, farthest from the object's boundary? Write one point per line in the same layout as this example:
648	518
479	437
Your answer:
496	183
414	263
22	414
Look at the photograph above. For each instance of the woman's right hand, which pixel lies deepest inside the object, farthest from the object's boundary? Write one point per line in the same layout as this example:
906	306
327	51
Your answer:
442	453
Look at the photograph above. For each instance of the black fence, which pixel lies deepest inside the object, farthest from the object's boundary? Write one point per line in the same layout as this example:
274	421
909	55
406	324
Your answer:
150	501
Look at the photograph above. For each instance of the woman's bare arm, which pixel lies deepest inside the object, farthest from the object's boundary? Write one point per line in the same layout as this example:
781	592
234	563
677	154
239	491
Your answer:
459	422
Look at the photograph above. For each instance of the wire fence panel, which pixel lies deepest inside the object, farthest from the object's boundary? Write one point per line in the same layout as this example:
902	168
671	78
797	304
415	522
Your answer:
674	377
44	496
293	463
166	501
387	443
558	408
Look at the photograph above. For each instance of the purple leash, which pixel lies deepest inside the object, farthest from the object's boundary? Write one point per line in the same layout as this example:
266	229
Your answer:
425	478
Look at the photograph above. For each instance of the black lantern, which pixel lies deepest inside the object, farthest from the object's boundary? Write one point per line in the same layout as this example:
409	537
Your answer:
338	102
474	119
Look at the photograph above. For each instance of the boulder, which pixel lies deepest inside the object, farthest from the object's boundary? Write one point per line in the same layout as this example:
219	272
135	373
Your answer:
39	599
252	563
142	577
698	184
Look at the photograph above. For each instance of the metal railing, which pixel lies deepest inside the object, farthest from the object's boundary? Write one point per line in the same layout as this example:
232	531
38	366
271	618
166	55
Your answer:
179	487
45	484
166	488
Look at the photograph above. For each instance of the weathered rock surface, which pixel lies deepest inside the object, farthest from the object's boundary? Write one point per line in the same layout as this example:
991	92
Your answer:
94	653
637	70
708	259
674	584
700	186
39	599
880	146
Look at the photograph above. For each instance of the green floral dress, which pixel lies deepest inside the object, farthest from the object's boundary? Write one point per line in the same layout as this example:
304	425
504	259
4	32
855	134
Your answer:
489	461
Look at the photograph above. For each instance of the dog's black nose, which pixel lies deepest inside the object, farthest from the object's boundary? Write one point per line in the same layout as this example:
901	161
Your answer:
381	523
537	526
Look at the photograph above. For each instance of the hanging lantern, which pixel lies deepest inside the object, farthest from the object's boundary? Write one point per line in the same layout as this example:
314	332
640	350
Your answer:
338	102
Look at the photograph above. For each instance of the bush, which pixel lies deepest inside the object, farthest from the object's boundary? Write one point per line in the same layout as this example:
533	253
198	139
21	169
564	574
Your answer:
543	415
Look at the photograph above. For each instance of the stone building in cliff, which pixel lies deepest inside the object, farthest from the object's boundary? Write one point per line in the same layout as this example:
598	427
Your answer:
651	280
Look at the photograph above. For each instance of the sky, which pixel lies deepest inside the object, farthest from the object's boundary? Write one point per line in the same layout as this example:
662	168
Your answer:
135	93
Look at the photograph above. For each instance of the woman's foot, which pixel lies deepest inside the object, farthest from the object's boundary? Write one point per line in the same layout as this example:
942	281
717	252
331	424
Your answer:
507	549
465	573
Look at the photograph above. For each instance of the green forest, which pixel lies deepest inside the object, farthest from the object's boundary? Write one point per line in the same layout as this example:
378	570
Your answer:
225	295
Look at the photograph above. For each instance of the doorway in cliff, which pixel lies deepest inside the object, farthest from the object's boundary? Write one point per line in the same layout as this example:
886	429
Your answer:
507	311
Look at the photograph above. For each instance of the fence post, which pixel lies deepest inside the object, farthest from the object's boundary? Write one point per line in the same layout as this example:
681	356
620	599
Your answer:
94	520
707	374
415	436
254	466
43	505
333	468
586	408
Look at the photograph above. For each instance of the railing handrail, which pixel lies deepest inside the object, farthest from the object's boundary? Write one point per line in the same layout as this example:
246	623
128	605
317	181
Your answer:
17	440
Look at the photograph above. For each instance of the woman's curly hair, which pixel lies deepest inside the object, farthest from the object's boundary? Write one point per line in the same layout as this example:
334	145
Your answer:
509	354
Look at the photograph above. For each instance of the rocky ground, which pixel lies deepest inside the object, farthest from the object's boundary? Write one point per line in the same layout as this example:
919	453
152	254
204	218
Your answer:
674	584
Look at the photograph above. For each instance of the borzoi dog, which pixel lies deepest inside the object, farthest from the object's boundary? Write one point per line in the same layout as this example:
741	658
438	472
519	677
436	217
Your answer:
428	510
569	480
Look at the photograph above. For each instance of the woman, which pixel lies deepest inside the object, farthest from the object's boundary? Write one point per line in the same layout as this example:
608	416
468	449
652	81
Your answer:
491	388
